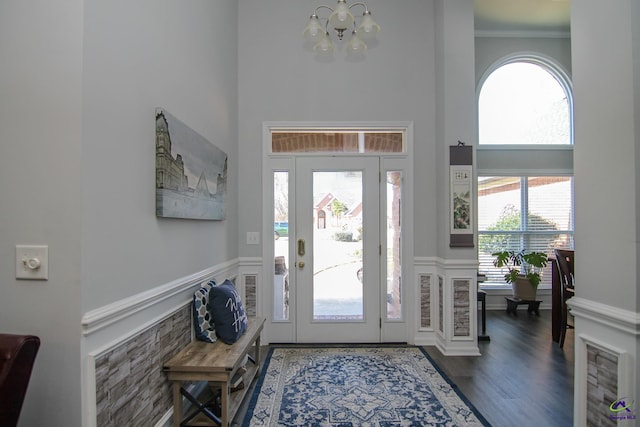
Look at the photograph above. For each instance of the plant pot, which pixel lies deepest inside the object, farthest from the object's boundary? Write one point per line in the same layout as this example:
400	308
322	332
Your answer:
523	289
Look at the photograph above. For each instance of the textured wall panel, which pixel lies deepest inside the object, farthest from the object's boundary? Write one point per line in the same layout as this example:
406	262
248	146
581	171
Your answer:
602	386
250	289
441	304
425	301
461	308
131	389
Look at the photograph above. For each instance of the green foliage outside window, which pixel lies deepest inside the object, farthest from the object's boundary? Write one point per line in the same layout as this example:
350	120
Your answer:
338	208
510	220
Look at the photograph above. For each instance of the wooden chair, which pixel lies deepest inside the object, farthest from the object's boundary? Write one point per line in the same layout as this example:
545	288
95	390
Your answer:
565	259
17	355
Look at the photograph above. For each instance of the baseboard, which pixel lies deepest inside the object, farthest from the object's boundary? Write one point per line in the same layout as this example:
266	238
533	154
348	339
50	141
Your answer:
458	351
166	420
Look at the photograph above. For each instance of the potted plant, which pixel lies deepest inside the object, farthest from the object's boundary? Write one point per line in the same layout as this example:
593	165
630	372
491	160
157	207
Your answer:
525	269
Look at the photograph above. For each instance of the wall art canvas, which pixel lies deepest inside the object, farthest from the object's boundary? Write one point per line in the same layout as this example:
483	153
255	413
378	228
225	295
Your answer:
191	172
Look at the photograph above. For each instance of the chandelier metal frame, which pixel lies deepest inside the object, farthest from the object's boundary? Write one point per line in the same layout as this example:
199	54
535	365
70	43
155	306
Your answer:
341	19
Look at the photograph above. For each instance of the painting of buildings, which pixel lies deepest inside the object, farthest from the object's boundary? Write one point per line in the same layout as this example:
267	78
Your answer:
191	172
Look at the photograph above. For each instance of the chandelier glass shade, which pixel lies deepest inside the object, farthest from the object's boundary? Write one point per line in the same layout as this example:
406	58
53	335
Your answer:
340	19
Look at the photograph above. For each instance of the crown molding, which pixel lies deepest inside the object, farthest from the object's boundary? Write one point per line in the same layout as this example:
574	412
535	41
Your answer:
523	34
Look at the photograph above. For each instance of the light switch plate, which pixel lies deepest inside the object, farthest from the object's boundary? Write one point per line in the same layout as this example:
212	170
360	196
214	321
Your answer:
32	262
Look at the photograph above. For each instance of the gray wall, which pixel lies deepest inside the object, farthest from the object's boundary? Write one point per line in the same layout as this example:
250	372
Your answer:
79	82
488	50
398	80
606	155
138	56
40	187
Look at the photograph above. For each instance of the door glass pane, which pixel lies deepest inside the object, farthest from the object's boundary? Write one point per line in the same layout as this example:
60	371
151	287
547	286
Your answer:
394	245
337	246
281	245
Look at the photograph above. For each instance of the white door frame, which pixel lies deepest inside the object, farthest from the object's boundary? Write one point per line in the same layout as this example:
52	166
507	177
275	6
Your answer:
400	330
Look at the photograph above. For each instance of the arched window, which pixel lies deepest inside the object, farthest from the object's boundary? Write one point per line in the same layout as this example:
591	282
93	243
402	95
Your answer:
525	101
525	161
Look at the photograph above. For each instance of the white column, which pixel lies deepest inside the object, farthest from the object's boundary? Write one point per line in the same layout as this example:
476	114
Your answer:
606	81
455	120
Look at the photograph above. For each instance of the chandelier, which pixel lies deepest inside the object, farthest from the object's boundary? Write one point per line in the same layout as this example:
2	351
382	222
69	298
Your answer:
341	19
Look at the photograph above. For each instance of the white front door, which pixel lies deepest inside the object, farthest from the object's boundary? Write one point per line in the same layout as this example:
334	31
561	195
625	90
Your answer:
336	249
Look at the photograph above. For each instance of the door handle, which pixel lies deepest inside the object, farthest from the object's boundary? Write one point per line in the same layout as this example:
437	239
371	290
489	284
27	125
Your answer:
301	250
300	264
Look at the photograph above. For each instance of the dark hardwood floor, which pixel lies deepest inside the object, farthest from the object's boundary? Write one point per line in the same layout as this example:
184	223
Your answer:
521	379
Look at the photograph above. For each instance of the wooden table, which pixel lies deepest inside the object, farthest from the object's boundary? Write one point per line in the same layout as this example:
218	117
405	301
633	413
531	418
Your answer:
482	298
216	363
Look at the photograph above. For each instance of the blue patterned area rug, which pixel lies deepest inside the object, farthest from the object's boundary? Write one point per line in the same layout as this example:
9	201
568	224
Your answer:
383	386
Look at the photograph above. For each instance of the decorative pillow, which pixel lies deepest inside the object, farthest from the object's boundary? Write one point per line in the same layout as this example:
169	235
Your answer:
202	319
228	312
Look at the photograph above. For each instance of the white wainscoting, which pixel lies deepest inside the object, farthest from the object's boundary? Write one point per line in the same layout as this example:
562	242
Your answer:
453	309
110	326
615	331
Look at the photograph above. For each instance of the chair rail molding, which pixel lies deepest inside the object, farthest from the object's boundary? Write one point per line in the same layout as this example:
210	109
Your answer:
622	320
445	263
250	262
107	315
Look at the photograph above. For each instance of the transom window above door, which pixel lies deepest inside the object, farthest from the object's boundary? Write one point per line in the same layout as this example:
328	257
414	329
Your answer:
344	141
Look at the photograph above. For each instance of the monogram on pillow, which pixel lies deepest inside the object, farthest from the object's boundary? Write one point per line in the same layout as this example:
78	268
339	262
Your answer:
239	316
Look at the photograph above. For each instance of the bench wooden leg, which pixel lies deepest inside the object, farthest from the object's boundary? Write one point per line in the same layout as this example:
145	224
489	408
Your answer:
225	392
257	352
177	404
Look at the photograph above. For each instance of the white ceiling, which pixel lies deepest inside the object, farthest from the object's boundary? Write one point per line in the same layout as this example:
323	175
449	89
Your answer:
544	16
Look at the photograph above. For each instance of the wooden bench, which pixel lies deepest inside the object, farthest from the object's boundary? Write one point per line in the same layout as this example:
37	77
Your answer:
216	363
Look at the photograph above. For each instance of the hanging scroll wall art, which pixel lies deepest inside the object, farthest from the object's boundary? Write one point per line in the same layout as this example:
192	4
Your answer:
461	189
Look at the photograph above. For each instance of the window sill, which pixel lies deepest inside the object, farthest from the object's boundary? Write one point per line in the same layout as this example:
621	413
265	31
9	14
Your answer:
522	147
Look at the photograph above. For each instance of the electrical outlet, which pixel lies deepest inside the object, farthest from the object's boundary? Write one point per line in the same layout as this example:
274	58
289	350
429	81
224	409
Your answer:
253	238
